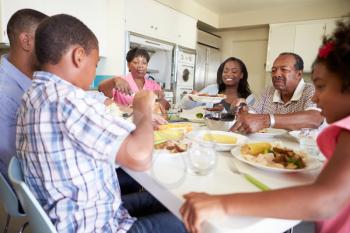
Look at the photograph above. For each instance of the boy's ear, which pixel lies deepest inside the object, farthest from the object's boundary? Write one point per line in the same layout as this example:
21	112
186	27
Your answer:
78	56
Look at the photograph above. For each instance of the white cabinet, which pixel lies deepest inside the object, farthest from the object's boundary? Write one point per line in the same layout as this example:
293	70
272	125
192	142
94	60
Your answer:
160	22
91	12
302	38
281	39
308	39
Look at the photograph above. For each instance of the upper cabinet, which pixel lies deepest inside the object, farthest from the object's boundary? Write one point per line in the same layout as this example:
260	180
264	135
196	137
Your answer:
160	22
91	12
302	38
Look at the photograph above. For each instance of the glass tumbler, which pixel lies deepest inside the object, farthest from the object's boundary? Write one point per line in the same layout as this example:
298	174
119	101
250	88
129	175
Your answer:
308	141
201	157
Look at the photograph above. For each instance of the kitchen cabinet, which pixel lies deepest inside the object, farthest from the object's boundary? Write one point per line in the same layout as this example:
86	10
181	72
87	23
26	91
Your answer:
91	12
303	38
150	18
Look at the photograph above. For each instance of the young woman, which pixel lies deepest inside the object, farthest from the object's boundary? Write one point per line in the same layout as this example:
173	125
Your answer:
232	80
327	200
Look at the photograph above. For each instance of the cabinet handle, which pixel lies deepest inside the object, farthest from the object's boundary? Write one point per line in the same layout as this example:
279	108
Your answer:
156	28
150	42
151	26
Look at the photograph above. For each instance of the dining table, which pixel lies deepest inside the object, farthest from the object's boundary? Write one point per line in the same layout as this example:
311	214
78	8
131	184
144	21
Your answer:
169	178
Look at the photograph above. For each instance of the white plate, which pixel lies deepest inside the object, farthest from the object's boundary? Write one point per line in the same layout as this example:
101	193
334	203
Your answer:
190	114
198	135
270	132
311	163
206	99
295	134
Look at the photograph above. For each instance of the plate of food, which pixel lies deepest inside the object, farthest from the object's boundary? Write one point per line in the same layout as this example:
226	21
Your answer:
269	132
172	146
222	141
275	158
194	115
206	98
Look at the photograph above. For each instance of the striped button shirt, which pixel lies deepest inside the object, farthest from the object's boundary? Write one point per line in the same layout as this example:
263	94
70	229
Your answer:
67	142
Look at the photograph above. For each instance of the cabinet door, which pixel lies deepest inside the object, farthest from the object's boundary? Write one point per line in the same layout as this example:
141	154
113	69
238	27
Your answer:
281	39
157	21
308	38
186	31
160	22
330	27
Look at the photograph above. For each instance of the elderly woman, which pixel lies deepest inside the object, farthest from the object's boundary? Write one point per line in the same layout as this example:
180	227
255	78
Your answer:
122	89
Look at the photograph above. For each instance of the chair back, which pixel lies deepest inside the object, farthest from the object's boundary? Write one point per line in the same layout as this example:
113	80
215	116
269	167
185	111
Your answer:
38	220
9	199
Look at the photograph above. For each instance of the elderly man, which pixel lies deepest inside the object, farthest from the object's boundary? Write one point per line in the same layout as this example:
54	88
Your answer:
287	104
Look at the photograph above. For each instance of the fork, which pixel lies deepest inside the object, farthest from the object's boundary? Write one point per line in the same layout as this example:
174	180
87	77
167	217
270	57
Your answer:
249	178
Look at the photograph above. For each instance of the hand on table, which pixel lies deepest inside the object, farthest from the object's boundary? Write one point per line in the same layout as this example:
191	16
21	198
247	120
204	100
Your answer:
198	207
250	123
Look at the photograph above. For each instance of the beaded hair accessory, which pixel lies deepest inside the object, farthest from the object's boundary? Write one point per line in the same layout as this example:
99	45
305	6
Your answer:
325	49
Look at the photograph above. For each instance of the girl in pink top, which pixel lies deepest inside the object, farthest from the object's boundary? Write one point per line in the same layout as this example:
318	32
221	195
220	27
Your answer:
327	200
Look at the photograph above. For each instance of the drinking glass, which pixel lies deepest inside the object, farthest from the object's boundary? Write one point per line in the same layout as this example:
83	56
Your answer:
308	141
202	157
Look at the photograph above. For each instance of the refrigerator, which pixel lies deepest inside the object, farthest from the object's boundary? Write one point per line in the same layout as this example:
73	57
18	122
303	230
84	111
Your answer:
208	61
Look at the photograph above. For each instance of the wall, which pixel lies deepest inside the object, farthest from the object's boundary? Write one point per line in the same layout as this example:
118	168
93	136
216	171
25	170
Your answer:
237	43
193	9
114	61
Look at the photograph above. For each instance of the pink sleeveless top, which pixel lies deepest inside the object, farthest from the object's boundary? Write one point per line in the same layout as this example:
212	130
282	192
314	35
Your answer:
327	141
126	100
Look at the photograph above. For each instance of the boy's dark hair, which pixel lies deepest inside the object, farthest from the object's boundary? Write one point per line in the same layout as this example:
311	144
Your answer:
337	58
57	34
137	52
299	63
23	20
243	86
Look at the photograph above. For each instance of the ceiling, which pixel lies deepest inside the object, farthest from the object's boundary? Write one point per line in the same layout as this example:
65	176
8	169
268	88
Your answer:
233	6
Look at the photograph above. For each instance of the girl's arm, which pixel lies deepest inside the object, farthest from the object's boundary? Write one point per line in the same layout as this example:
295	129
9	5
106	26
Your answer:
324	198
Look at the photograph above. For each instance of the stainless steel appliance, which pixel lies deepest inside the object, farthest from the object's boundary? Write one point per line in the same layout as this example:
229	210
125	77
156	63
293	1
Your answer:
208	59
184	71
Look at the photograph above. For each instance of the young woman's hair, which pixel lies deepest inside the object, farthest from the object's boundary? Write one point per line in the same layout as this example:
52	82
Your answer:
335	53
243	86
57	33
24	20
137	52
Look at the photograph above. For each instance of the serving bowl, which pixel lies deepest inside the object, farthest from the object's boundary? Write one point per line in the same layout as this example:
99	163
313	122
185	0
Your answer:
222	122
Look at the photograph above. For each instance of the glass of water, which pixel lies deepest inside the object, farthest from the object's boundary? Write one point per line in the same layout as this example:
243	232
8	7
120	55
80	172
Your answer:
308	141
202	157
